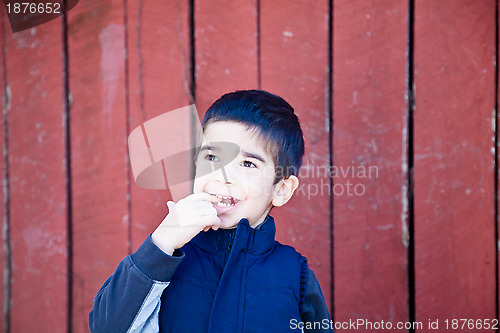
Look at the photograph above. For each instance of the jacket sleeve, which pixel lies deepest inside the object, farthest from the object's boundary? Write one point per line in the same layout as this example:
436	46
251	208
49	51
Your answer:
314	309
129	300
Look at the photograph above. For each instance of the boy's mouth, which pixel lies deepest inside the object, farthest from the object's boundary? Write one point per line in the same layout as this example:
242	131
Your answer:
226	201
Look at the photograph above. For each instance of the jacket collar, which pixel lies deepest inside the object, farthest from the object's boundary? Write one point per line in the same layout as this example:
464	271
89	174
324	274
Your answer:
253	240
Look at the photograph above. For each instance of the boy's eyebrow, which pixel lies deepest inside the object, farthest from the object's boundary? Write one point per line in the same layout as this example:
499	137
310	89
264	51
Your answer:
253	155
244	153
208	147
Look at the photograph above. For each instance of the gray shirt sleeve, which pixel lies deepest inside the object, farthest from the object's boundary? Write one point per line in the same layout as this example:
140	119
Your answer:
130	299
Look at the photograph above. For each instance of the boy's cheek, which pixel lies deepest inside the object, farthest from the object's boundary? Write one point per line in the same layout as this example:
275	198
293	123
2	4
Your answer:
259	190
270	172
198	185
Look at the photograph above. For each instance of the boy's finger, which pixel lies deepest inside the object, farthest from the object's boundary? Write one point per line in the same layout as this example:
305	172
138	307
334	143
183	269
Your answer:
204	196
170	205
217	223
199	205
207	211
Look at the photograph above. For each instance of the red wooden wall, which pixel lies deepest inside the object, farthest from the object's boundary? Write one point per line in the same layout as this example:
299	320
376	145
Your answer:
397	210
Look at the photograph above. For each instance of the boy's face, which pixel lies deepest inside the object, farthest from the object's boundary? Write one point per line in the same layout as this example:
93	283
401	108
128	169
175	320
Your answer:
245	182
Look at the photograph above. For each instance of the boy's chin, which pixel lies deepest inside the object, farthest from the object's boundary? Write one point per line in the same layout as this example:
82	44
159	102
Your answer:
228	223
231	222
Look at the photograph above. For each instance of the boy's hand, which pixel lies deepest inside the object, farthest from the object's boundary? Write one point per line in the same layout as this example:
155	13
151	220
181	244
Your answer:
186	219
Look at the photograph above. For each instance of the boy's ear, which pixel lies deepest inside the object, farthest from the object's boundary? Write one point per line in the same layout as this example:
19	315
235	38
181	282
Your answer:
284	190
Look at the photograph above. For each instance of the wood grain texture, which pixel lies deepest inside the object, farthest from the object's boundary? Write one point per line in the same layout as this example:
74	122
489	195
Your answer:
159	81
454	176
369	146
96	42
226	50
294	64
129	61
38	198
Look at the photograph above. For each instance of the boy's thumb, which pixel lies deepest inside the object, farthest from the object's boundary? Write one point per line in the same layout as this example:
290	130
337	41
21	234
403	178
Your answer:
170	205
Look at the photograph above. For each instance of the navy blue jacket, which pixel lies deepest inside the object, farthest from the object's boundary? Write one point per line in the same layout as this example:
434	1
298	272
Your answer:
230	280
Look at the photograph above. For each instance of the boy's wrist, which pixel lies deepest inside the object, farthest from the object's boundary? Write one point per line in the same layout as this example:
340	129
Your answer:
162	244
154	263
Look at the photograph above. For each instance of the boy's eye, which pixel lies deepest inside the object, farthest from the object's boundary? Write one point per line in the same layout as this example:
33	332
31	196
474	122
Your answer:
211	158
249	164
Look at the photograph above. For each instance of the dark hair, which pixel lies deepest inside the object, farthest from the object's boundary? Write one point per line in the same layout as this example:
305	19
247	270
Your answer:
273	119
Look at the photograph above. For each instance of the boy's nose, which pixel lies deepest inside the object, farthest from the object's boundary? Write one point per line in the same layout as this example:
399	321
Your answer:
225	175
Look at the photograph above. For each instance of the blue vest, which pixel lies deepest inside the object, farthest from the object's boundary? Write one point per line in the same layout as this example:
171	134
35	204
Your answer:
235	280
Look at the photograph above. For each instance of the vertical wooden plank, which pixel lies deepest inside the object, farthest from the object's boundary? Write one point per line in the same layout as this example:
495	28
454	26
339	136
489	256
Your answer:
294	64
369	146
454	177
3	195
225	49
38	197
96	43
159	81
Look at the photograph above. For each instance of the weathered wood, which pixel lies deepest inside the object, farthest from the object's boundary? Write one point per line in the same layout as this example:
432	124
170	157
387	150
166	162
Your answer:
370	146
96	44
159	81
455	242
294	64
454	177
38	196
226	56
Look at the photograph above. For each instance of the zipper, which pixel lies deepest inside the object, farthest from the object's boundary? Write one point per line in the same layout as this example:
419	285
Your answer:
232	234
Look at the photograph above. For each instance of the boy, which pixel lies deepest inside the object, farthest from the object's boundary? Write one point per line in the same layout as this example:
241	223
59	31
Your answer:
233	277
